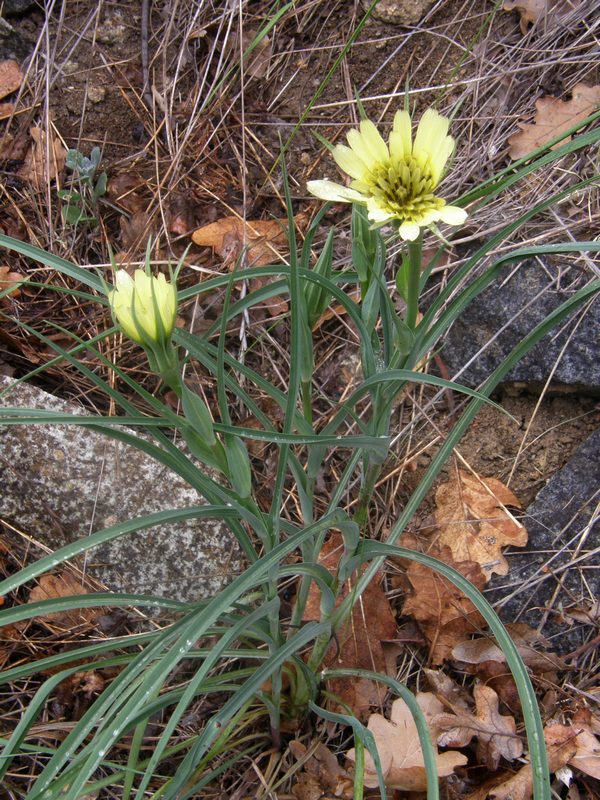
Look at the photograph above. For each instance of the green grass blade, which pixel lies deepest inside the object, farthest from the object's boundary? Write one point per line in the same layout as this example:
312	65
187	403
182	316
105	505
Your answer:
54	262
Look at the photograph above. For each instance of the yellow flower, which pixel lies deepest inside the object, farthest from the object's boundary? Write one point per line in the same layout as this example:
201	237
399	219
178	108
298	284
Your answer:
144	306
396	181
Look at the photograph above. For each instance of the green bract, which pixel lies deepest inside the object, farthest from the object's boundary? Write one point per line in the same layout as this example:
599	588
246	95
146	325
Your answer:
144	306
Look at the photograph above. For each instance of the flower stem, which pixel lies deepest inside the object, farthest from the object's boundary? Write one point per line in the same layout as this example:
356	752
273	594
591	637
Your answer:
307	401
366	493
415	257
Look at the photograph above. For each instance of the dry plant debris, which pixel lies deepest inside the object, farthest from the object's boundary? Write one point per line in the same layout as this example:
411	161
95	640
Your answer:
531	11
472	526
321	775
11	77
359	641
528	642
445	615
9	283
574	745
44	162
63	584
474	523
399	748
552	117
266	240
496	733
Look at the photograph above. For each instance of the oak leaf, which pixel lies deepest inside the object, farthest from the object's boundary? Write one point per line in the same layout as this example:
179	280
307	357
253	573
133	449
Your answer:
552	117
560	748
62	585
358	642
321	776
265	239
9	282
399	748
445	615
444	686
587	757
11	77
496	734
528	642
475	524
43	162
533	10
266	242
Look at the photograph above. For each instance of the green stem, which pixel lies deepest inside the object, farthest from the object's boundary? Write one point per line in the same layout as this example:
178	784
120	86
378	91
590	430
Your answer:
415	257
307	401
366	493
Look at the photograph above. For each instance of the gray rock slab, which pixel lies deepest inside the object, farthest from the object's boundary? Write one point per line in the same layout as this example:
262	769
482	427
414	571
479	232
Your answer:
61	483
12	44
16	7
514	306
558	569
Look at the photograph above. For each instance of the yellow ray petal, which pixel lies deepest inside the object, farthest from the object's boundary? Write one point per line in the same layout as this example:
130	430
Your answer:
409	231
373	142
348	160
438	161
334	192
400	137
453	215
431	133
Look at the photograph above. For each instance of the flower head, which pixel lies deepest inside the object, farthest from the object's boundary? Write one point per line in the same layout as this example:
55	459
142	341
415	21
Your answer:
144	306
396	181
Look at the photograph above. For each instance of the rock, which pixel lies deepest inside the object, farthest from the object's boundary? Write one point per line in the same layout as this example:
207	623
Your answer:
96	94
60	483
532	291
16	7
563	526
399	12
12	44
115	28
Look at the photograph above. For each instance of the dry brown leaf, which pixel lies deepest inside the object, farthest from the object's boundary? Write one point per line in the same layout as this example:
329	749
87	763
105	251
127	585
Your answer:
587	757
256	63
321	774
477	651
587	613
560	747
533	10
62	585
474	523
552	117
444	686
10	280
399	748
266	239
6	110
135	231
358	642
444	613
11	77
128	190
43	162
496	734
